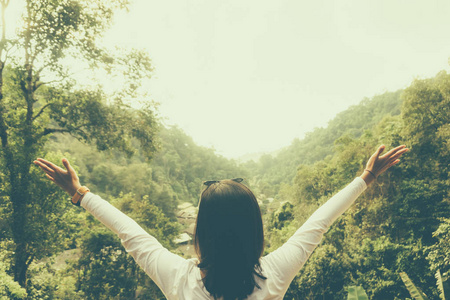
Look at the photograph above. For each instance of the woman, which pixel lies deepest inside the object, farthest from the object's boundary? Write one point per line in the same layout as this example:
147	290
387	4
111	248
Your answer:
229	237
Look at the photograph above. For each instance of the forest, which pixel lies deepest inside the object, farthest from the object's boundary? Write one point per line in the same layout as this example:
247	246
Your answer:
50	249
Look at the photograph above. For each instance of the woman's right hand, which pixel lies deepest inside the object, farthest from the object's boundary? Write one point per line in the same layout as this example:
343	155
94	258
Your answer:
379	164
66	179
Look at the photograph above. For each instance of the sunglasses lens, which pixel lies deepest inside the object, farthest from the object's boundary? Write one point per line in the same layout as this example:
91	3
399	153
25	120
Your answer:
209	182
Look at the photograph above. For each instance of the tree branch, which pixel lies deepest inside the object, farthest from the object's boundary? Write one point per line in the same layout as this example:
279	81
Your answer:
23	87
3	130
40	83
34	55
41	111
63	130
7	53
29	260
53	130
38	72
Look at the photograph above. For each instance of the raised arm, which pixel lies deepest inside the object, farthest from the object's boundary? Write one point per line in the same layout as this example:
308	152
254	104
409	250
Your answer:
287	260
159	263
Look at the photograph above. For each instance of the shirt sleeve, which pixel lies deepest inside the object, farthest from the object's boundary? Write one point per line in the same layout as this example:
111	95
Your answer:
287	260
158	262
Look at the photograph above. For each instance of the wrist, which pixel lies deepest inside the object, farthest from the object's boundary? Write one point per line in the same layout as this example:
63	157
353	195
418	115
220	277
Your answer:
73	189
79	194
368	177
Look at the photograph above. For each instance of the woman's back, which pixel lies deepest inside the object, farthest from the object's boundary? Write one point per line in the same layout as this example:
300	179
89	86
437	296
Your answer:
181	278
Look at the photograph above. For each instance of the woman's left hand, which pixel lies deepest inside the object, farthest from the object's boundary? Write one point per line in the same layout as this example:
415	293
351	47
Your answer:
67	179
378	163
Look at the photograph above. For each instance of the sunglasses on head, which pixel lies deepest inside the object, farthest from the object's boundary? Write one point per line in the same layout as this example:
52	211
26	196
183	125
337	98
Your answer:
209	182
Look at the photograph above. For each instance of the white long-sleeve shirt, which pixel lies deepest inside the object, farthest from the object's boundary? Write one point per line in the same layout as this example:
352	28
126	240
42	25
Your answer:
180	278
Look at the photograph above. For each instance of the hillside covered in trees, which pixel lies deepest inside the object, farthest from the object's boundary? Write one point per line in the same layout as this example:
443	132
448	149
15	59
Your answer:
271	171
401	224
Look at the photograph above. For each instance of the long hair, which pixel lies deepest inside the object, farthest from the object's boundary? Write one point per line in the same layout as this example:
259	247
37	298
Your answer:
229	240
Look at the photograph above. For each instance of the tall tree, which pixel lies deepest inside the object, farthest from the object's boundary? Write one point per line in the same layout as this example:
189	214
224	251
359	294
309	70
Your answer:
38	98
426	118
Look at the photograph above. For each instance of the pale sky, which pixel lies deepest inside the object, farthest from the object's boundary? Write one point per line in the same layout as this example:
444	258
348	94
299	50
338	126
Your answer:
247	76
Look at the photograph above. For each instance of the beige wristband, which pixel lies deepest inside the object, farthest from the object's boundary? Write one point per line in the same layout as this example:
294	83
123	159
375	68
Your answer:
76	199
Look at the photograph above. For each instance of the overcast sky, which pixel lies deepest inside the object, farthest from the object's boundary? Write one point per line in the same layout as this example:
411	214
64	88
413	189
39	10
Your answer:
247	76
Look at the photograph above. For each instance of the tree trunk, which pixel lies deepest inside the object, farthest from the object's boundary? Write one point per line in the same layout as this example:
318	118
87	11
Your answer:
21	264
22	257
20	195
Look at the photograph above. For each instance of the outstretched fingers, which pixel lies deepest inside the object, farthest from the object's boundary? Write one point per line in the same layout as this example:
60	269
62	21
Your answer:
50	165
394	157
44	167
393	151
51	178
400	153
388	165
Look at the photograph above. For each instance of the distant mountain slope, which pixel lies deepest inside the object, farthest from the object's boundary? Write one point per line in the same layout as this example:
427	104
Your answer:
175	174
269	172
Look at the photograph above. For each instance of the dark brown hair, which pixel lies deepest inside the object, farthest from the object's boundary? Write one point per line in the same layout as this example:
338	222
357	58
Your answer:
229	239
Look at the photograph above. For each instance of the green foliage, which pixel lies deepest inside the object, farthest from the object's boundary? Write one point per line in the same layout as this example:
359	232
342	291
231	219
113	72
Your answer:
426	109
86	115
438	252
356	293
270	172
49	217
149	217
186	165
377	263
443	286
324	275
9	289
47	282
413	290
399	224
174	175
282	216
106	271
38	98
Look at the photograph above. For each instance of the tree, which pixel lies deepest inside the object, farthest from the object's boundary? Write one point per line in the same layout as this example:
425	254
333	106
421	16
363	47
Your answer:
9	289
105	269
425	114
323	276
438	253
38	98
